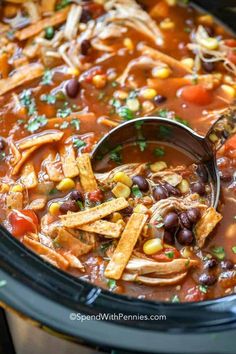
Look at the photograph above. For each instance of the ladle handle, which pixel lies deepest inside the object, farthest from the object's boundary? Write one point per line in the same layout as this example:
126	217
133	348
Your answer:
223	128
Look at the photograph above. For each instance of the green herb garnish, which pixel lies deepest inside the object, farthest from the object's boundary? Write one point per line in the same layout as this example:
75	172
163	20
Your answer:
203	288
75	123
47	77
175	298
78	143
234	249
49	32
125	113
138	125
115	154
48	98
159	152
64	112
182	121
169	254
62	4
218	252
136	191
111	284
64	125
2	155
142	145
53	191
36	122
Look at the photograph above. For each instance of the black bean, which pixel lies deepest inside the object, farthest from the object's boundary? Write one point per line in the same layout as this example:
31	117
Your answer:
184	220
202	173
159	193
69	205
172	190
210	263
199	188
141	182
185	237
193	215
169	237
158	99
86	16
72	88
77	196
171	220
225	175
2	144
208	66
227	265
85	46
207	279
127	211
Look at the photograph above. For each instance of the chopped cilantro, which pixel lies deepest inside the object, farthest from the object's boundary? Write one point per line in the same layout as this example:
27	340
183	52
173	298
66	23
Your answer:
2	155
175	298
142	145
114	84
48	98
203	288
139	124
187	263
63	112
163	113
115	154
28	102
182	121
78	143
136	191
47	77
234	249
64	125
75	123
133	94
3	283
169	254
105	245
101	95
115	103
125	113
36	122
53	191
159	152
62	3
80	204
218	252
49	32
111	283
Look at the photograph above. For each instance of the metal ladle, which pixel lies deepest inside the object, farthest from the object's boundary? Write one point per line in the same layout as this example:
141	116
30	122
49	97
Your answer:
160	130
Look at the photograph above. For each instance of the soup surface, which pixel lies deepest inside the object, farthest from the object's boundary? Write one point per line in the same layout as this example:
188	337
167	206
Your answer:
141	223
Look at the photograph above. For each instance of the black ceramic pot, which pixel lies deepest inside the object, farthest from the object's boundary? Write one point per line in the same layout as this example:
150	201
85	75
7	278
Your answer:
56	301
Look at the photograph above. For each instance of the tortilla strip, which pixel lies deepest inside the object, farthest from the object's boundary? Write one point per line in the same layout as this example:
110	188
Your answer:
103	227
154	281
74	262
38	204
71	244
21	76
56	19
87	178
98	212
4	65
69	166
28	176
48	6
53	167
47	253
125	246
206	225
14	200
25	155
15	153
172	62
48	136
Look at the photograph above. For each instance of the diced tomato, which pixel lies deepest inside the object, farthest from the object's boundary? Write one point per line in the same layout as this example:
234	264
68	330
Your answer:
232	56
22	222
196	94
230	43
167	255
96	196
194	294
88	76
231	143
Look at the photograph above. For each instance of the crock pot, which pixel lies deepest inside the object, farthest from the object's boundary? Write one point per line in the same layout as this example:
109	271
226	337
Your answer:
58	302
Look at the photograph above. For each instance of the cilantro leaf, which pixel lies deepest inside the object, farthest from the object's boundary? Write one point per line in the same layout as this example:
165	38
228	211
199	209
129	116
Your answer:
136	191
47	77
75	123
159	152
142	145
78	143
115	154
48	98
218	252
111	284
36	122
125	113
64	112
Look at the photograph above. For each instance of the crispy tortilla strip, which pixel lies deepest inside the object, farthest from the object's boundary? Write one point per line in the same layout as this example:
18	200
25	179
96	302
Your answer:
69	166
206	225
38	204
87	178
125	246
53	167
47	253
71	244
48	6
46	137
103	227
56	19
25	155
4	66
28	176
154	281
87	216
143	266
21	76
14	200
74	262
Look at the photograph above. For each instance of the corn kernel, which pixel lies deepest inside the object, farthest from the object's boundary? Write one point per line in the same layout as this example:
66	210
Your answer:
122	95
4	188
229	90
147	106
66	184
213	137
167	24
148	93
123	178
73	71
152	246
161	72
206	20
158	166
184	186
145	231
128	43
133	104
140	209
17	188
171	2
121	190
122	223
228	80
99	81
188	62
116	217
186	252
210	43
54	209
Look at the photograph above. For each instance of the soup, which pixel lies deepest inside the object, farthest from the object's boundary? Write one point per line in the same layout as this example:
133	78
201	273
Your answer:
141	222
